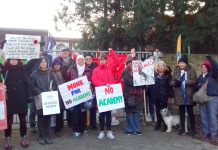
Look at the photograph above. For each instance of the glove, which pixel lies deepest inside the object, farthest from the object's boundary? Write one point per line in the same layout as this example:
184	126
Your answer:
177	83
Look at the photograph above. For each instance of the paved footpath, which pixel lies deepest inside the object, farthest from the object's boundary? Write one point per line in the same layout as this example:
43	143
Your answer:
150	140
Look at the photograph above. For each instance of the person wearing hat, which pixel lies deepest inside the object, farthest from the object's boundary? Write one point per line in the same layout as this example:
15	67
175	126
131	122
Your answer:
132	98
67	62
92	65
209	109
184	80
58	77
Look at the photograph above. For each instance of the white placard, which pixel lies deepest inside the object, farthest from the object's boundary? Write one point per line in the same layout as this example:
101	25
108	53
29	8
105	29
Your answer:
143	72
22	46
2	111
75	92
109	98
50	103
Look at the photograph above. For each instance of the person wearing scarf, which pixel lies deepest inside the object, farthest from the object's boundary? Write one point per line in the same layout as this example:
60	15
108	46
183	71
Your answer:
184	80
78	114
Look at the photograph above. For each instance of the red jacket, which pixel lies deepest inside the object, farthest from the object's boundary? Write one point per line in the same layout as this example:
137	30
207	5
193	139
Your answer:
103	75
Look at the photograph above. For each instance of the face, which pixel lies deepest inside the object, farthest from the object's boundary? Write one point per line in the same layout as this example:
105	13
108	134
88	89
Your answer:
43	64
103	61
182	65
57	67
160	68
129	66
80	61
204	69
13	62
65	54
88	60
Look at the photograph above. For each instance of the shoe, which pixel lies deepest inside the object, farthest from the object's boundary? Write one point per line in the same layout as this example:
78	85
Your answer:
157	128
101	135
206	137
41	141
48	141
58	134
76	134
194	134
181	132
138	133
8	143
214	141
128	133
110	135
33	130
85	132
24	143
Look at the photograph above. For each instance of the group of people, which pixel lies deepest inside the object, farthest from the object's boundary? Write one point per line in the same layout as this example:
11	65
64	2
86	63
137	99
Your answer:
25	82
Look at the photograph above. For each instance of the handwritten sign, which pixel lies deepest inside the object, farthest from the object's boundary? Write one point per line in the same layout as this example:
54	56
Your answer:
22	46
109	98
50	103
143	72
75	92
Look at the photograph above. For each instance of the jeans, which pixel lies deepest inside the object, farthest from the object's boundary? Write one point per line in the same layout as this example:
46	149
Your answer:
78	119
59	121
209	117
133	122
32	116
102	116
23	125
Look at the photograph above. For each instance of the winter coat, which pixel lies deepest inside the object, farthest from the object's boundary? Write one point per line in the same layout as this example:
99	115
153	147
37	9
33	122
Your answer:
40	82
161	90
201	80
103	75
59	80
17	84
189	83
131	90
92	66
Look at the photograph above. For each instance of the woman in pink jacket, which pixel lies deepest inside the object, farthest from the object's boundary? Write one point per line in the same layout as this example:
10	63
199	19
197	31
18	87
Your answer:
104	76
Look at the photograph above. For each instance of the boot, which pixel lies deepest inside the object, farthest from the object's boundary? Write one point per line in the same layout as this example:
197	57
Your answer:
8	143
24	143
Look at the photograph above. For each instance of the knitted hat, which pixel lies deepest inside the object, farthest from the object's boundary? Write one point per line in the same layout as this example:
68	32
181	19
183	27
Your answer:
183	59
65	49
57	61
88	54
207	64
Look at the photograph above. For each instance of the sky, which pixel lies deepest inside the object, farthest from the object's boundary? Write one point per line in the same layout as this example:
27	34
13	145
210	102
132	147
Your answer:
33	14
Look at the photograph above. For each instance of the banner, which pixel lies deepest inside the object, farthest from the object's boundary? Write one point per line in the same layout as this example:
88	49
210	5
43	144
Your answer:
143	72
3	111
50	103
22	46
109	98
75	92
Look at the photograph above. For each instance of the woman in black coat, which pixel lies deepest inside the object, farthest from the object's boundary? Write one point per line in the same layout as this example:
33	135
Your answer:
16	84
41	80
161	91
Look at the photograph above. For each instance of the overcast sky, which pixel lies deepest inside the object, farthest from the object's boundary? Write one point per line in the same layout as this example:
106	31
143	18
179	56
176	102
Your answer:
32	14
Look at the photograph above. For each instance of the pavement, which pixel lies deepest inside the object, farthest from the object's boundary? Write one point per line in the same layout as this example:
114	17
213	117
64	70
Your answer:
150	140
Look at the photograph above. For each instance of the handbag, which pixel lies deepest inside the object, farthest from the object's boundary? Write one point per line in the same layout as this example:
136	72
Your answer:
200	96
131	101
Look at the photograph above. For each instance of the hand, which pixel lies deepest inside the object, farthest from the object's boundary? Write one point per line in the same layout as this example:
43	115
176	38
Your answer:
110	49
177	83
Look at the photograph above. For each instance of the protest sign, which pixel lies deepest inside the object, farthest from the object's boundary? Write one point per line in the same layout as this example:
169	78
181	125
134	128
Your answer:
3	112
75	92
22	46
143	72
50	103
109	98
